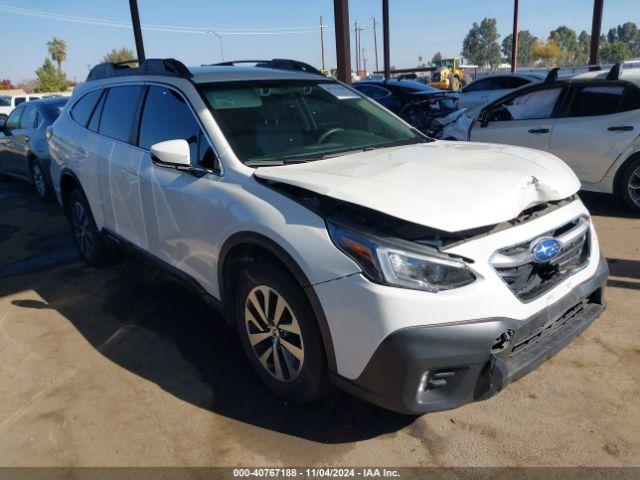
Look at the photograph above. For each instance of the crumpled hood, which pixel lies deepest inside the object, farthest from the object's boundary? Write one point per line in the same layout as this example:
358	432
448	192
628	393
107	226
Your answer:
444	185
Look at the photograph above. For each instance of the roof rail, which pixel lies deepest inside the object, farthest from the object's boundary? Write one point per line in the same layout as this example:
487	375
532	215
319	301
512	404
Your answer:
152	66
614	73
276	63
552	76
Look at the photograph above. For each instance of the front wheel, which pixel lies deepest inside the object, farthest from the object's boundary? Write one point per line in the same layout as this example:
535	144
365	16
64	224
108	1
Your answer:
91	243
279	333
629	186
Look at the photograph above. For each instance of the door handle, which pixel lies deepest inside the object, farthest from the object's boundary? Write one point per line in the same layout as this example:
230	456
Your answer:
620	128
539	130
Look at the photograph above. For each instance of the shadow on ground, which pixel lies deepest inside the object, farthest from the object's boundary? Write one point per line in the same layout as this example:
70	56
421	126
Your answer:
145	322
606	205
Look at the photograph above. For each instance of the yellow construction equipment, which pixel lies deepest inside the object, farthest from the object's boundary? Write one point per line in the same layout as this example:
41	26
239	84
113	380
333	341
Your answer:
441	77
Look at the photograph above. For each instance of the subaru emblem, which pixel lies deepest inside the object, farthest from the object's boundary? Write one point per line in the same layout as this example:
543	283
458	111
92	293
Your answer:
545	249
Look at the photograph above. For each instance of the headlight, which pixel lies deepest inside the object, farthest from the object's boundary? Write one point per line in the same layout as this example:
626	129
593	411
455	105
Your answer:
394	264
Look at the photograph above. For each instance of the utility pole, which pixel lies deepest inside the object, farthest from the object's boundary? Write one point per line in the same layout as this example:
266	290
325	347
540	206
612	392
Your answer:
375	42
343	53
355	31
514	42
137	31
364	62
322	42
596	25
385	38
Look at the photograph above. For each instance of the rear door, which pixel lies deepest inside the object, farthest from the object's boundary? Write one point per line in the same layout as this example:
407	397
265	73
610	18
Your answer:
601	120
118	171
525	118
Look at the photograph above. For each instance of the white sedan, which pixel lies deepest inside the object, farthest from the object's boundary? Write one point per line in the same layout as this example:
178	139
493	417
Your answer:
490	88
591	121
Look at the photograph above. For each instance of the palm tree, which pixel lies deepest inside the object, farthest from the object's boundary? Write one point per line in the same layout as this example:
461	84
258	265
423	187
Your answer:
57	50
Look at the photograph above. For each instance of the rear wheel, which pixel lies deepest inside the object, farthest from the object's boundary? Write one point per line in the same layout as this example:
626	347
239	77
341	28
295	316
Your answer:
91	243
279	333
41	181
629	185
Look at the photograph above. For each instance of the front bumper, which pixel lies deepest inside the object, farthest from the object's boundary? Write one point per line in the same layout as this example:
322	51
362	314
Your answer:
428	368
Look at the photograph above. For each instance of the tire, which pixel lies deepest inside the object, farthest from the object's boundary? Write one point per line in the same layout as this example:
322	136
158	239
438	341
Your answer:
628	189
91	243
40	180
300	374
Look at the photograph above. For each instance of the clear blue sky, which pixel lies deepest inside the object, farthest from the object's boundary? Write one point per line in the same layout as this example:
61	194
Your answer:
418	28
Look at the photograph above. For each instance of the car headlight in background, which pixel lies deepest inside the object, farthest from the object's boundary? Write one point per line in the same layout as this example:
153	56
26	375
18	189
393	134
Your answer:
393	264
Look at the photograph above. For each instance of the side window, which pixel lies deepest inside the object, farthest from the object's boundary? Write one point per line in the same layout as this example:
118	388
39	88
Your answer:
374	92
13	122
118	112
19	100
631	100
596	100
478	85
167	116
82	109
29	118
512	82
538	104
94	121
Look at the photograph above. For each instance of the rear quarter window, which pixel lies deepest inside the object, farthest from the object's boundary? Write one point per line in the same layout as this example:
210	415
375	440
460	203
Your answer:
81	110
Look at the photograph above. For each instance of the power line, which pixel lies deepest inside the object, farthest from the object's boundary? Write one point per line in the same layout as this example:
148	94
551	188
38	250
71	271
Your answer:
161	28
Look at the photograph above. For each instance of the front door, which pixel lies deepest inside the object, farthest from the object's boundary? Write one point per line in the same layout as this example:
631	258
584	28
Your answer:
524	119
179	207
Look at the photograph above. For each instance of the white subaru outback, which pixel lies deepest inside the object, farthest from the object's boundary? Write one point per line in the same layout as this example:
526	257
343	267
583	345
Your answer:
347	247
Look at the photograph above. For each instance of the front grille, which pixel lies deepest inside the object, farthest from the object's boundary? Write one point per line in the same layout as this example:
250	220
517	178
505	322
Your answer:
528	278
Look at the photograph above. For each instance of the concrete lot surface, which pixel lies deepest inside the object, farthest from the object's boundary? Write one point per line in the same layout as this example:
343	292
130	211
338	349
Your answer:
124	367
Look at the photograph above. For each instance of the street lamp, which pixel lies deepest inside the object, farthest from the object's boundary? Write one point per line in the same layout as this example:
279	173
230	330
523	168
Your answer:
211	32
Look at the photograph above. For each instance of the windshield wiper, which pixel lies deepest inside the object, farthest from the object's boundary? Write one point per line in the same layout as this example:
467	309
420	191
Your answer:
272	162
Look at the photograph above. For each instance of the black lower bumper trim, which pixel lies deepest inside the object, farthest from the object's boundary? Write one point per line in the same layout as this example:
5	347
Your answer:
430	368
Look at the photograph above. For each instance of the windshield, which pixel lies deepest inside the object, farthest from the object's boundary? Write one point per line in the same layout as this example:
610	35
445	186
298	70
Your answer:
275	122
5	101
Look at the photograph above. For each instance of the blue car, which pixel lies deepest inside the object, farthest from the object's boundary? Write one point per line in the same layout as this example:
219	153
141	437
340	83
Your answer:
415	102
24	153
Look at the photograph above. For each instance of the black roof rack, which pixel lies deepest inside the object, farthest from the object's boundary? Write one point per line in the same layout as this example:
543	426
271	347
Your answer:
552	76
614	73
152	66
276	63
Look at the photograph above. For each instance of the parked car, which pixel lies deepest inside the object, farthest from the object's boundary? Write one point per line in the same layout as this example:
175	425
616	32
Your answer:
414	102
9	102
489	88
345	246
24	152
591	121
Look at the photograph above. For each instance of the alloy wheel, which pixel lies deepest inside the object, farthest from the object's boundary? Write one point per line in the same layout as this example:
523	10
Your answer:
274	333
633	187
82	229
38	180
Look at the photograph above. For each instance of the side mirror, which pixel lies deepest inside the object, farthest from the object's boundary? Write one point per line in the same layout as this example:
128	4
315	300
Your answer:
177	155
484	122
171	153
